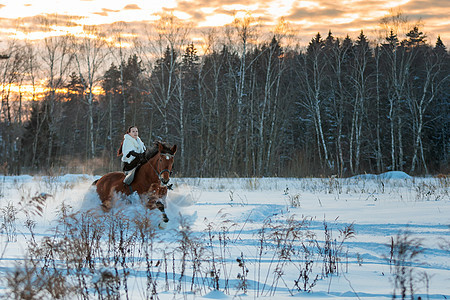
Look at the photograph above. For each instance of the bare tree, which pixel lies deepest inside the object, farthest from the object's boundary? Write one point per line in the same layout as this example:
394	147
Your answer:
338	57
118	50
245	28
33	69
274	63
56	57
165	42
213	129
312	74
12	79
362	55
89	54
421	95
397	62
378	86
160	53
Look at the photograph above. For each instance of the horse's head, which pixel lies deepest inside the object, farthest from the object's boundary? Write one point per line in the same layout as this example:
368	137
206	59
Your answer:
164	162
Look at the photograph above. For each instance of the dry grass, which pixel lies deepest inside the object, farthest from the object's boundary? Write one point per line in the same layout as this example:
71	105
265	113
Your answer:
91	255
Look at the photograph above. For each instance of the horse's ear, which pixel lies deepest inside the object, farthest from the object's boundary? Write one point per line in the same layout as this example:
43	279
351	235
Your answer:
160	147
174	149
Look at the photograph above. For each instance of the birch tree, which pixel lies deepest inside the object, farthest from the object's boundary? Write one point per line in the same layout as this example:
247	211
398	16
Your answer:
426	83
360	74
313	80
245	28
397	62
338	56
89	55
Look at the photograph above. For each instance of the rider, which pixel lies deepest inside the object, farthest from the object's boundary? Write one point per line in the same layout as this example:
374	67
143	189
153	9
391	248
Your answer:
132	150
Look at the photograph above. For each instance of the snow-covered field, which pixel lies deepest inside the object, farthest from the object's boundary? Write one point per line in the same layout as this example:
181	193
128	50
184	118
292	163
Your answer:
366	237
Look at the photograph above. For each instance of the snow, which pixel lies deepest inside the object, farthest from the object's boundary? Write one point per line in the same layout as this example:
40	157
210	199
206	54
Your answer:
230	219
387	175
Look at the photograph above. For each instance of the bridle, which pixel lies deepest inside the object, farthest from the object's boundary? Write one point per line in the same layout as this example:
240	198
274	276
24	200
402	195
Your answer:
164	170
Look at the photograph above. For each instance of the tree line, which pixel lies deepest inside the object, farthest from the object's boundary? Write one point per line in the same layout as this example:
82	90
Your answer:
339	106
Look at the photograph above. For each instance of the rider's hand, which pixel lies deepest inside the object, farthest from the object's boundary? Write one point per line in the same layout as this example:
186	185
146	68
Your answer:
132	153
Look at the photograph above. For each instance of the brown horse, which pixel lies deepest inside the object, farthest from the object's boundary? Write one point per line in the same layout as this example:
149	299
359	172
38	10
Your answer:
150	180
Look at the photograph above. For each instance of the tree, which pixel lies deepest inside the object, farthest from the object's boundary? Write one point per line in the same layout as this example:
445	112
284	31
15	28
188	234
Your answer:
339	57
75	134
214	130
245	29
162	83
56	58
13	75
112	85
171	37
36	132
272	66
397	64
89	55
427	80
359	79
187	95
117	48
415	38
313	79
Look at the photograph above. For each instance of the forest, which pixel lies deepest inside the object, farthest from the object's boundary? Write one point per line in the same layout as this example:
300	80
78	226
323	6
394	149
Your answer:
234	104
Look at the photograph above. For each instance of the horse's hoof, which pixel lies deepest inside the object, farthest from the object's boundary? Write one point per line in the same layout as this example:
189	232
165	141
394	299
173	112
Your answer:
106	207
165	218
162	225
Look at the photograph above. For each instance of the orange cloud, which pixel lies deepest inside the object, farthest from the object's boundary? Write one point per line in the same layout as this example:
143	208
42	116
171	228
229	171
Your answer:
342	17
131	6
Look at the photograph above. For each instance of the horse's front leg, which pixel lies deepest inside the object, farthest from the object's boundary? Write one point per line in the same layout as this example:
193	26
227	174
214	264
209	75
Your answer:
156	196
161	197
160	206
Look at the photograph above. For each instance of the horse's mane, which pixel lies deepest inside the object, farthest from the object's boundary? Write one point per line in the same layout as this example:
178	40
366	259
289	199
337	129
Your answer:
151	151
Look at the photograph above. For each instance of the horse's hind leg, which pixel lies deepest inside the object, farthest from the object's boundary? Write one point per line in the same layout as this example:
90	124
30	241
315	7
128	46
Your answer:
108	201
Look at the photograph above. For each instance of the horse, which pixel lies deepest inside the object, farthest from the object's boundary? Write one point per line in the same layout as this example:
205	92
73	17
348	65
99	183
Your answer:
150	180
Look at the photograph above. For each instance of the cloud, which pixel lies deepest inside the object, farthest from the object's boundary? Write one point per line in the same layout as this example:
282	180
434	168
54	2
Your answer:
308	17
301	14
426	5
110	10
131	7
207	8
38	23
105	12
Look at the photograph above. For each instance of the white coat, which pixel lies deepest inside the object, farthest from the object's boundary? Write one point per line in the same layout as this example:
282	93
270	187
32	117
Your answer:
131	144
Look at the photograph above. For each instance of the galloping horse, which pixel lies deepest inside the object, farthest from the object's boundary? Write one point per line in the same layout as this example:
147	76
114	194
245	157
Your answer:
150	180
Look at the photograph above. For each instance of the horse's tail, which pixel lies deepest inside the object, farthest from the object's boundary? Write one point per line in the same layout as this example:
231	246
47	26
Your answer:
95	182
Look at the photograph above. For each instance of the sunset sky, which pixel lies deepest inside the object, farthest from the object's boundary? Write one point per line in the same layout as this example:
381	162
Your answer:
309	17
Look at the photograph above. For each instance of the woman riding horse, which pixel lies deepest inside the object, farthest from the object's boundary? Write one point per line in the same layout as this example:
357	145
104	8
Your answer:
150	181
132	151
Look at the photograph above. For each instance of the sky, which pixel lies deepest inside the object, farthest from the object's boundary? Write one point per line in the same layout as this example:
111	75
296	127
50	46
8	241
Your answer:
342	17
